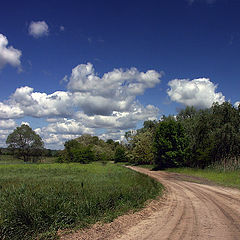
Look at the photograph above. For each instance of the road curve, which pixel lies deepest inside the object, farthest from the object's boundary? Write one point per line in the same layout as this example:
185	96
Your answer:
191	211
188	210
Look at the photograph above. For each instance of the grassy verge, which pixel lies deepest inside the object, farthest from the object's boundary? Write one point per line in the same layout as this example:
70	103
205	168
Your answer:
227	178
39	199
147	166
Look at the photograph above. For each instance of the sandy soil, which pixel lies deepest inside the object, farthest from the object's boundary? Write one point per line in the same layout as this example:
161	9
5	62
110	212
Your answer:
188	210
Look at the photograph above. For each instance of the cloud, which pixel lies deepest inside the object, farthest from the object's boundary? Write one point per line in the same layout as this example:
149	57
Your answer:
114	91
6	127
68	126
38	29
10	111
104	106
61	129
53	140
36	104
62	28
8	55
199	92
236	104
64	79
7	124
25	123
116	135
119	120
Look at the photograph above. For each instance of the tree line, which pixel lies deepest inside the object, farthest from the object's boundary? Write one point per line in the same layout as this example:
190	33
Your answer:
87	148
192	138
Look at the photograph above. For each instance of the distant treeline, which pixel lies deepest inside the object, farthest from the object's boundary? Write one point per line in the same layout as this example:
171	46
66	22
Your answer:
87	148
193	138
43	152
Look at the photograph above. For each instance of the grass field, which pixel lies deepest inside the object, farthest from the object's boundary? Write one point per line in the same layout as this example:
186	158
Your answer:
9	159
227	178
39	199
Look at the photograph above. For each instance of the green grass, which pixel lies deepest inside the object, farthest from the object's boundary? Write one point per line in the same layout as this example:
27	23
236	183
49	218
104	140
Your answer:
147	166
227	178
39	199
9	159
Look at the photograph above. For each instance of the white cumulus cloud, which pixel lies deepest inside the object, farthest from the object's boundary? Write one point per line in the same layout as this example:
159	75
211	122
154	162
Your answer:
103	106
236	104
199	92
7	124
38	104
114	91
38	29
8	54
8	111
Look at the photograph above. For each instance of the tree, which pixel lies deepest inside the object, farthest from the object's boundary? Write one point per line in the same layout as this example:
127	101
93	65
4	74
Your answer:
170	143
120	154
24	142
142	150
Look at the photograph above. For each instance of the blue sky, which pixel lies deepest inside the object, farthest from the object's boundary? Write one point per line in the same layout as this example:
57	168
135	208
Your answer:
103	67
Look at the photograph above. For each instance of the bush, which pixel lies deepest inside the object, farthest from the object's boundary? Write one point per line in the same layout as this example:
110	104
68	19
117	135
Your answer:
120	154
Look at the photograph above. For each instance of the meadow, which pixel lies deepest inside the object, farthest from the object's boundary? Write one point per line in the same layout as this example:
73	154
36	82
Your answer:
39	199
10	159
225	178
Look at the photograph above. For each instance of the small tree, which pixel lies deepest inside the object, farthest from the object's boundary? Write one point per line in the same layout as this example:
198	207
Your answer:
170	143
24	142
120	154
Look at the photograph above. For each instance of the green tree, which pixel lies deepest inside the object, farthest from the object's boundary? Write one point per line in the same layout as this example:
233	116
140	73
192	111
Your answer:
120	154
76	152
143	151
24	142
170	143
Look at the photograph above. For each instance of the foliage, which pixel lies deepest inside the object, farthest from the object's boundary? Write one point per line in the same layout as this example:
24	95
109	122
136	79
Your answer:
25	143
214	134
120	154
38	200
76	152
87	148
194	138
170	143
143	149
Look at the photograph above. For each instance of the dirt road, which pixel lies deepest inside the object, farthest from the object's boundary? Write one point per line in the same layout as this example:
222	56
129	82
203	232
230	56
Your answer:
189	211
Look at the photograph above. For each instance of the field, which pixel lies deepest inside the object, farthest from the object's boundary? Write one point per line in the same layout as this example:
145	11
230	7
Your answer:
39	199
225	178
9	159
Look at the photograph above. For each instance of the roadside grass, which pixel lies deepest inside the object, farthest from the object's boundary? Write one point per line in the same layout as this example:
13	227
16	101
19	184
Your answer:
148	166
39	199
225	178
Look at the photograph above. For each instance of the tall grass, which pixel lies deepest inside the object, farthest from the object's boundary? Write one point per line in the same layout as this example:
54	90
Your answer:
221	176
37	200
10	159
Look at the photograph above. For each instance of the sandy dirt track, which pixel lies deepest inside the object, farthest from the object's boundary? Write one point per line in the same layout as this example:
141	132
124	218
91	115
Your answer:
188	210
